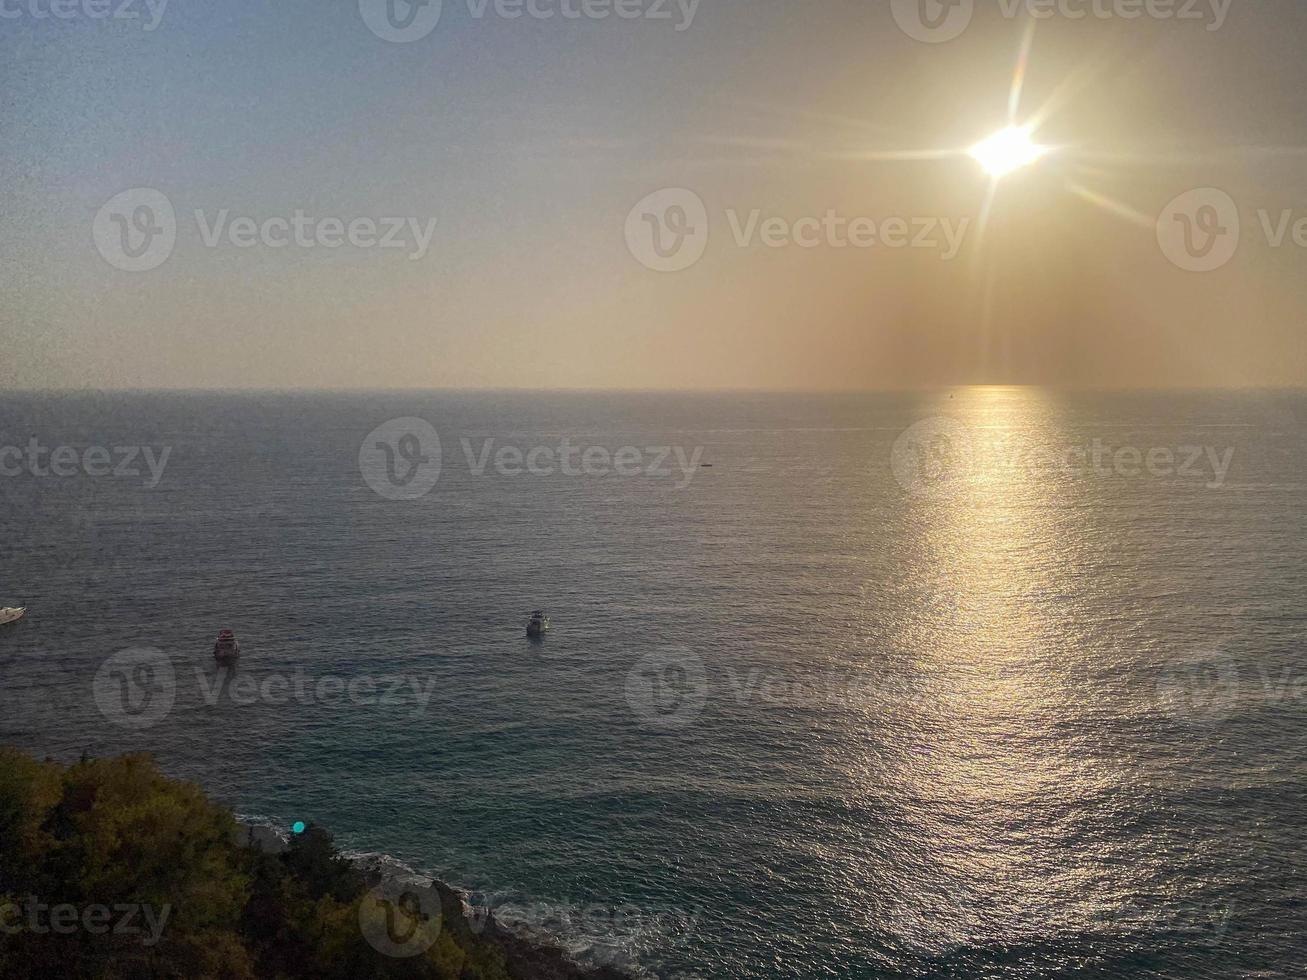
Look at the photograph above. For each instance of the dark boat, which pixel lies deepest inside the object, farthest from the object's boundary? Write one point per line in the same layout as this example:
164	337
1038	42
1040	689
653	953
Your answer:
226	648
538	625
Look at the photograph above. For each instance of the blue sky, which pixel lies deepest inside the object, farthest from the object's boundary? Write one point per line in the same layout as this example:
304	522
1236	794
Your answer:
528	141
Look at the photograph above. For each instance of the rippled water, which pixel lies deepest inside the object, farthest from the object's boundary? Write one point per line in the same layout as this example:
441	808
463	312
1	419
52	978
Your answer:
972	684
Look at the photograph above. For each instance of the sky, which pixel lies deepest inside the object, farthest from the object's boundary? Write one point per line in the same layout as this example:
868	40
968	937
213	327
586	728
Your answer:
733	194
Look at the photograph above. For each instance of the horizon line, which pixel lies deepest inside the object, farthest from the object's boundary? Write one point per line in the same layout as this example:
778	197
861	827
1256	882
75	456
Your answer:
504	389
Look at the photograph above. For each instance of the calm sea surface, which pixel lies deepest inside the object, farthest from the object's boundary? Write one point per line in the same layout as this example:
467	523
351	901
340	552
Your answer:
993	683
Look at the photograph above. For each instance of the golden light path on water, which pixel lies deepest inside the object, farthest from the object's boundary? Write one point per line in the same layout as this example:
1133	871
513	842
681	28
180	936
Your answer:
981	784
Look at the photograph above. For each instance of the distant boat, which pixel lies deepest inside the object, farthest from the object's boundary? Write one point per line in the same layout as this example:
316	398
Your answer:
539	624
12	614
226	648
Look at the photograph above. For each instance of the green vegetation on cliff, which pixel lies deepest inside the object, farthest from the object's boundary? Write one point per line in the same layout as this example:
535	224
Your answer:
109	869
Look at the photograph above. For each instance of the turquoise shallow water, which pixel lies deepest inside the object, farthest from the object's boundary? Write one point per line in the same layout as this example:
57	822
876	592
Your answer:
987	684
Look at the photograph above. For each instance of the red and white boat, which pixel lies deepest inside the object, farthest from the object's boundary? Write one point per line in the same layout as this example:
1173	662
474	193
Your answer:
226	648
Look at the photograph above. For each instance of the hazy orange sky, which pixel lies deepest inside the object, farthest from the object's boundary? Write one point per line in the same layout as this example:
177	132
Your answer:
530	141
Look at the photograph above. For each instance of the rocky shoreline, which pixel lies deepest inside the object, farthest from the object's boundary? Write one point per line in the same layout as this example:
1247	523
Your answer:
526	957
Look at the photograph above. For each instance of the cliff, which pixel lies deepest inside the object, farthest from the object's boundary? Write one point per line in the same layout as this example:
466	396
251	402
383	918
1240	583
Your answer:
109	869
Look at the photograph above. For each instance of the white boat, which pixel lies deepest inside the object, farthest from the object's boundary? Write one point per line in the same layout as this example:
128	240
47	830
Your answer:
12	615
539	624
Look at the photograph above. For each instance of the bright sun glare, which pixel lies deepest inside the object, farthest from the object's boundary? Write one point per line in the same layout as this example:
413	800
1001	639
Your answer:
1008	150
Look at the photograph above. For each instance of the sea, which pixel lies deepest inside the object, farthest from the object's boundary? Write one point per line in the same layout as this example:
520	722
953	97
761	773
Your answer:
986	683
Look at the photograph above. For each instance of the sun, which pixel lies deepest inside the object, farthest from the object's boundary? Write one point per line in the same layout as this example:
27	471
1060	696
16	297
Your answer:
1008	150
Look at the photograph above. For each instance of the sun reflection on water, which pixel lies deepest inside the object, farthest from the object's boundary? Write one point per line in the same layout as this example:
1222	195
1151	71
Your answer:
981	777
